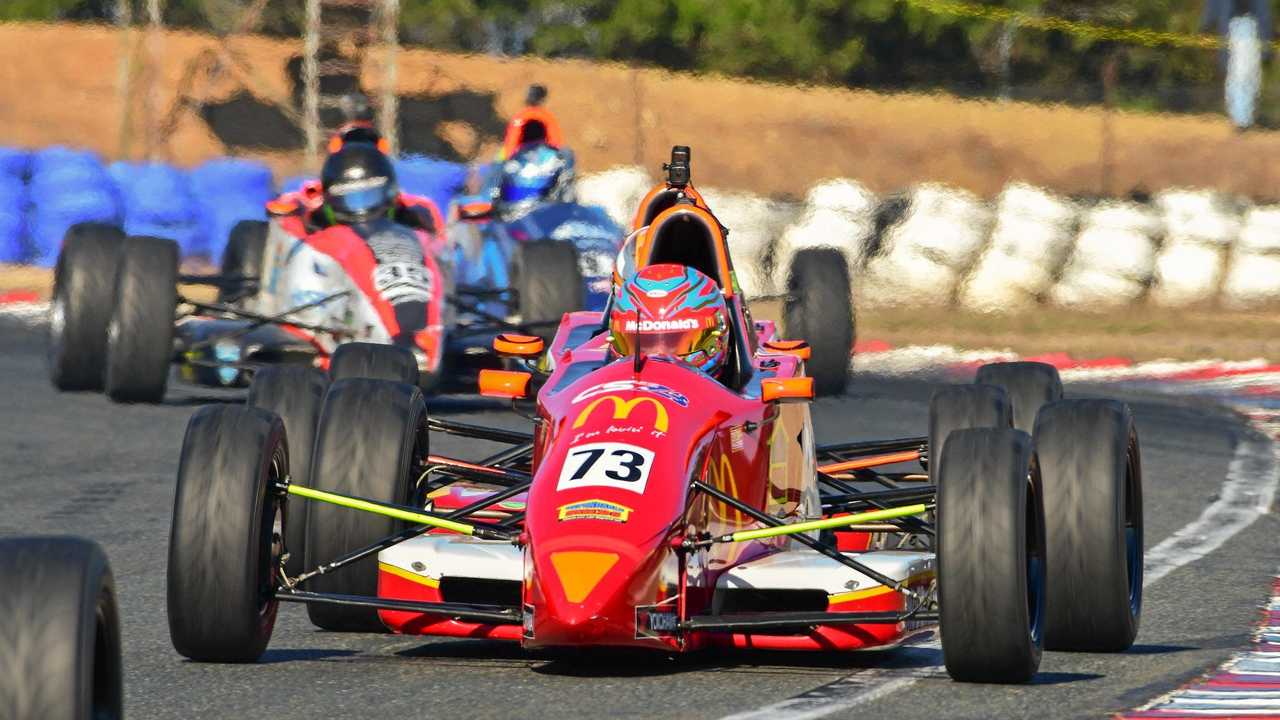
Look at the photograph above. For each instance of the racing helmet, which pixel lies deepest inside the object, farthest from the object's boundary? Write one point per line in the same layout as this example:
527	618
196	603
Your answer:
359	183
537	173
673	310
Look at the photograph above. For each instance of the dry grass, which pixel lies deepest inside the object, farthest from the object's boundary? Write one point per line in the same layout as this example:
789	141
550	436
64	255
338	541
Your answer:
771	139
1141	334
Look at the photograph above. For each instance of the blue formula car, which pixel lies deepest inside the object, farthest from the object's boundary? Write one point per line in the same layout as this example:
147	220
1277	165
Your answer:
527	195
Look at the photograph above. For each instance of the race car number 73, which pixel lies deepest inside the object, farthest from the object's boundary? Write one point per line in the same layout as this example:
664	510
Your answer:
606	464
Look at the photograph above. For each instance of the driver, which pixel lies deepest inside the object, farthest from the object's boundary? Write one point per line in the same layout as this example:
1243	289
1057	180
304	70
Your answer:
359	185
537	174
671	310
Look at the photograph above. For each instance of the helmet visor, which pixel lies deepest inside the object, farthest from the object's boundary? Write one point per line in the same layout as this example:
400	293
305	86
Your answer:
359	197
680	343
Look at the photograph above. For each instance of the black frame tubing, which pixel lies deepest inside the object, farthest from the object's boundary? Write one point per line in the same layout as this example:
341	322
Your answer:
830	552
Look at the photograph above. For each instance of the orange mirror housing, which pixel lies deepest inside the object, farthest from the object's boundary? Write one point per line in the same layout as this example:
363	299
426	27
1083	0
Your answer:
475	210
518	346
798	348
798	389
508	384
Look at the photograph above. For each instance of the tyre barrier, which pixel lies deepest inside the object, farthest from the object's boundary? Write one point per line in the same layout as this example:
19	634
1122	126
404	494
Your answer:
942	247
438	180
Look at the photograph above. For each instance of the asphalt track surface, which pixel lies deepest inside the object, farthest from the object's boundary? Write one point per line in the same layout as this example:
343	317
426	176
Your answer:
76	463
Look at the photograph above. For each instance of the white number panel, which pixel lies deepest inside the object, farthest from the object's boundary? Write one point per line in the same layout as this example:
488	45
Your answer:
606	464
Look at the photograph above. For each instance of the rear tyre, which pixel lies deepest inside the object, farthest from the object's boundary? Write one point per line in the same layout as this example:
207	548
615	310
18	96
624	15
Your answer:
1029	385
295	394
243	256
140	333
548	282
1092	472
83	295
819	310
372	435
227	535
959	407
990	556
61	631
373	361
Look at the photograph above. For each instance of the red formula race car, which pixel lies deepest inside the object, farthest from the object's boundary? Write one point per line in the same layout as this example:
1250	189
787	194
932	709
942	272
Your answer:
653	505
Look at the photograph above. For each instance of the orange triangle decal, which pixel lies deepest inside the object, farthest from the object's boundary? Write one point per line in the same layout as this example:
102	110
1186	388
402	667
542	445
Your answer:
581	570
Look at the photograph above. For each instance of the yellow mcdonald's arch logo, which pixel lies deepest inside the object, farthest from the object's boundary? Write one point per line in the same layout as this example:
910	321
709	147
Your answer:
622	409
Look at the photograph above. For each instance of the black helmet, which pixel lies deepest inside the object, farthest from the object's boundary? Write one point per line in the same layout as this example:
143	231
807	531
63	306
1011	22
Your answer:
359	183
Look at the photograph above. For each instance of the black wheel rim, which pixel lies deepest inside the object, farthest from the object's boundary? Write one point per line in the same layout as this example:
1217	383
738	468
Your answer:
1133	528
271	540
1035	552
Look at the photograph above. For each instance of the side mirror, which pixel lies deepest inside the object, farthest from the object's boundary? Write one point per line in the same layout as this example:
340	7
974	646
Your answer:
798	348
474	210
506	384
798	389
524	347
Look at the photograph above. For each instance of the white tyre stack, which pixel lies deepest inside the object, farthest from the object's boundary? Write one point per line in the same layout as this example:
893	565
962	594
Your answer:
1254	277
837	214
618	190
1199	229
1031	239
1114	257
755	224
924	255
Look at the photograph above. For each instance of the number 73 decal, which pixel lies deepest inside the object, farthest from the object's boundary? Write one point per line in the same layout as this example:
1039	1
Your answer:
606	464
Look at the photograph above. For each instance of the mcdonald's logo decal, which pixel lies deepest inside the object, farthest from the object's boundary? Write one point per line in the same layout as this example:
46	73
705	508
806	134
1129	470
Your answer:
622	409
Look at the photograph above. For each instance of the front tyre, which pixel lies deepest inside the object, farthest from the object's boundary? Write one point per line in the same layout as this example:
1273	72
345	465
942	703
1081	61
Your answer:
140	333
242	257
548	282
1092	472
991	551
227	535
61	631
374	361
819	310
371	440
83	296
1029	385
295	394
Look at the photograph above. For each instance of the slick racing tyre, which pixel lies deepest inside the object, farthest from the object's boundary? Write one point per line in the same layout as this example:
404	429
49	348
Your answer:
140	333
373	361
243	257
1029	385
819	310
83	295
227	535
1092	472
991	552
371	437
61	631
959	407
295	394
548	283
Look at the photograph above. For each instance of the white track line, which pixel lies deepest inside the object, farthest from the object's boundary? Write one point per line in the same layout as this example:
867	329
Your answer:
1246	495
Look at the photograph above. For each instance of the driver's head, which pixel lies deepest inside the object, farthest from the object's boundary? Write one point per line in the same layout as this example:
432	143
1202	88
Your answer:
671	310
359	183
536	173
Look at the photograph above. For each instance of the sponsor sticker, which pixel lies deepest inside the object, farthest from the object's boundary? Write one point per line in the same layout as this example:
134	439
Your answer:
654	622
606	464
594	510
526	622
623	409
643	386
652	326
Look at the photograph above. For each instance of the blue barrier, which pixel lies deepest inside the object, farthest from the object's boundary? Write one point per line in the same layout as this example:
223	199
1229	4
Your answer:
438	180
53	215
232	176
13	219
15	162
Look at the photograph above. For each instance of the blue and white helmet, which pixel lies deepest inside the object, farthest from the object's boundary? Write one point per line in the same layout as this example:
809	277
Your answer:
535	175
